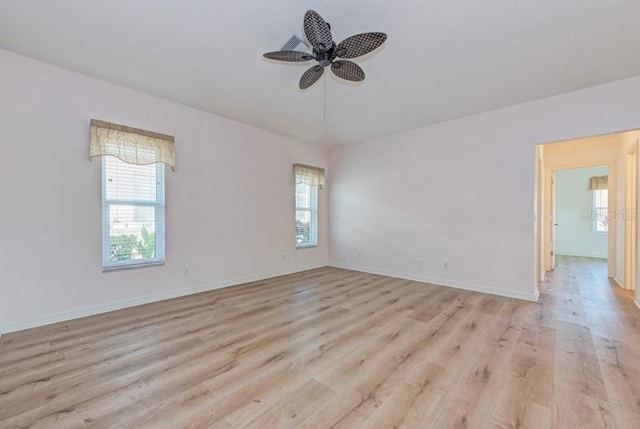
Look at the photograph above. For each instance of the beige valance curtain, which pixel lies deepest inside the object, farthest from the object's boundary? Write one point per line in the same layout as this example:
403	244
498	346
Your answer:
131	144
313	176
598	182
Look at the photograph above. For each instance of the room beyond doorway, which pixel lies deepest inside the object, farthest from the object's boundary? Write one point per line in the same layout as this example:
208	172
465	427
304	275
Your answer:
581	213
604	209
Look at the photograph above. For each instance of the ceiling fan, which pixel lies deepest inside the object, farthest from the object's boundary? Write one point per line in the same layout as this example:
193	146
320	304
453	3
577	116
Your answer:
326	52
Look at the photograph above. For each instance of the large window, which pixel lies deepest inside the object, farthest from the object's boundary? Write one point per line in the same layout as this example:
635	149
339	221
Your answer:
132	213
601	210
307	182
132	192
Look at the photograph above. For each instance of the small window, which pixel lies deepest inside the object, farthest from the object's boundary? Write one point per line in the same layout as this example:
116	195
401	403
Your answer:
306	215
132	213
601	210
308	180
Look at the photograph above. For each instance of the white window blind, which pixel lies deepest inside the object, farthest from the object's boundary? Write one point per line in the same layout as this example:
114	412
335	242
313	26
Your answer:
601	210
307	182
132	213
132	192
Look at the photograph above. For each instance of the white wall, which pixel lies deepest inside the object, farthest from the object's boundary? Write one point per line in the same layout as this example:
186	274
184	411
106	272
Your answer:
574	201
461	191
229	204
582	152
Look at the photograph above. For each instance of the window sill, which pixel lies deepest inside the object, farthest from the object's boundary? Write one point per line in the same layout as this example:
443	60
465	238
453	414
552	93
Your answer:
307	246
132	266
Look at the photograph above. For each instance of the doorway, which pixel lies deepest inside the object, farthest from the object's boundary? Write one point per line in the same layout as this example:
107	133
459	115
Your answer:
565	159
618	154
580	213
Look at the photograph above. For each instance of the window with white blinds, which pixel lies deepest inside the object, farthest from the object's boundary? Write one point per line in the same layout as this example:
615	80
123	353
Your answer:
132	213
601	210
308	180
306	215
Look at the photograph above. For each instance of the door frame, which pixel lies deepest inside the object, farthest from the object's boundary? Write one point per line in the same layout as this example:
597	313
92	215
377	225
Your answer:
539	213
630	217
552	220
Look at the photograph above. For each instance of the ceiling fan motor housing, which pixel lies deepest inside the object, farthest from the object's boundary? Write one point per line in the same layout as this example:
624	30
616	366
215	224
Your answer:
325	57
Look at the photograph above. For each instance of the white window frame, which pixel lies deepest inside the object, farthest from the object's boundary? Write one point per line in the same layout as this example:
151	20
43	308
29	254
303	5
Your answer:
313	209
596	211
158	204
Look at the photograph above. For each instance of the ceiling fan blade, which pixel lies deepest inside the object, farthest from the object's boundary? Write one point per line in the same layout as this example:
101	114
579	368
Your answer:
311	76
347	70
359	44
317	31
294	56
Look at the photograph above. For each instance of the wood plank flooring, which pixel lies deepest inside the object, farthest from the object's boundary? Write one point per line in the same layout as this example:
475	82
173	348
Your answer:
332	348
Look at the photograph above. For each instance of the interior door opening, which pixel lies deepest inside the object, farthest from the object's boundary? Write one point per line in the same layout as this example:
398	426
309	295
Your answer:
580	213
611	213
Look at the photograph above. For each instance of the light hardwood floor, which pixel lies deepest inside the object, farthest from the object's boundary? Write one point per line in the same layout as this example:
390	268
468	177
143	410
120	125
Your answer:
332	348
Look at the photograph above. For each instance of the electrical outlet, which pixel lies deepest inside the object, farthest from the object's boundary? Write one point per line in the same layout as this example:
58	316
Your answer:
446	265
185	270
284	257
359	254
420	262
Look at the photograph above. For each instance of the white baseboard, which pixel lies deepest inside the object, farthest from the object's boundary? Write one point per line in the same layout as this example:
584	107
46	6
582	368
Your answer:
90	311
442	282
618	281
637	300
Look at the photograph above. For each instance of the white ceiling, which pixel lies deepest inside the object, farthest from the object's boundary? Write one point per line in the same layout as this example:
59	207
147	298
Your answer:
443	59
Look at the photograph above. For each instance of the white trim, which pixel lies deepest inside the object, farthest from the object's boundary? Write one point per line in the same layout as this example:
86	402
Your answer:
637	301
447	283
619	282
581	255
90	311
